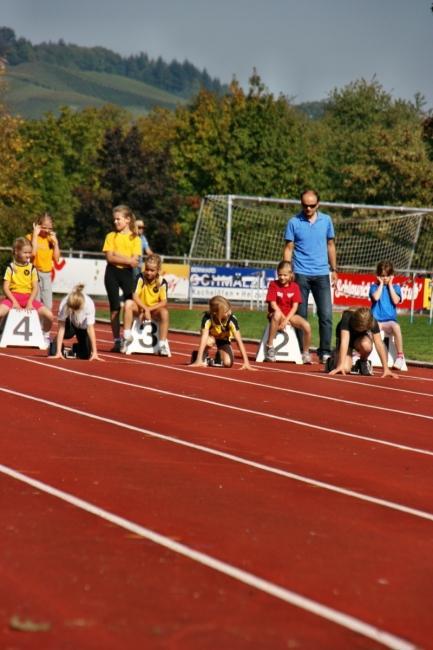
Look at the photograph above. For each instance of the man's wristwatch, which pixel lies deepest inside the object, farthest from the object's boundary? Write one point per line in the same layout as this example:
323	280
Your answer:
333	269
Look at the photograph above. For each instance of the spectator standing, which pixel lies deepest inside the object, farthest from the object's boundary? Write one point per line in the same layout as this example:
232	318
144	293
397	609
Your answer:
45	251
145	247
310	248
122	249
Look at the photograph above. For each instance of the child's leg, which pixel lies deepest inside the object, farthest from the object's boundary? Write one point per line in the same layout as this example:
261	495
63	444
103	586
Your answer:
398	338
274	323
46	318
4	310
226	354
115	323
302	324
130	310
363	345
84	346
162	315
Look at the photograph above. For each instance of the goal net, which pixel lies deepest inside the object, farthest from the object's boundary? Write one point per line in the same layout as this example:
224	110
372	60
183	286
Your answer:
251	229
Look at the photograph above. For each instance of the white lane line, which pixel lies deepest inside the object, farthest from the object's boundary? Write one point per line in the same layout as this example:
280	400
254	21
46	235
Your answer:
279	418
297	600
231	457
315	375
292	391
260	367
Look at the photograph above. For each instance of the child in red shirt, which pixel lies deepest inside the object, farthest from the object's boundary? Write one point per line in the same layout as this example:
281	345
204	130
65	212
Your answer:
283	298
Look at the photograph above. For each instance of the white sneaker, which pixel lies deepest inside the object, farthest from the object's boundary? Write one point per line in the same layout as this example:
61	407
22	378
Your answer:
47	340
306	357
127	336
163	349
399	363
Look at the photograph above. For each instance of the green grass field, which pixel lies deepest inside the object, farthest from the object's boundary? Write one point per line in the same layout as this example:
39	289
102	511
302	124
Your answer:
417	336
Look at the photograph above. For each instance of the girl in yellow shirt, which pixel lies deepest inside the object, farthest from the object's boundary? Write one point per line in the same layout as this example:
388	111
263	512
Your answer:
122	248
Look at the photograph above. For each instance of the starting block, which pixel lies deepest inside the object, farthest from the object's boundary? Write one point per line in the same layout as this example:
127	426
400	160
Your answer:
145	338
23	328
286	345
388	342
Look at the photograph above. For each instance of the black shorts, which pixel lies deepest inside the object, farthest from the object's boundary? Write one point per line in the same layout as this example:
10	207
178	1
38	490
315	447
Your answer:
223	344
116	279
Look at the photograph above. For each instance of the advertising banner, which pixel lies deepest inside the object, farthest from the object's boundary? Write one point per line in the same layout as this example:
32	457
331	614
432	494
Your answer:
74	270
234	283
177	277
353	289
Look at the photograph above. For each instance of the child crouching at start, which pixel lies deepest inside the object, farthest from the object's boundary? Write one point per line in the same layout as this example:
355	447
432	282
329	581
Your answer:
218	327
149	301
357	331
76	318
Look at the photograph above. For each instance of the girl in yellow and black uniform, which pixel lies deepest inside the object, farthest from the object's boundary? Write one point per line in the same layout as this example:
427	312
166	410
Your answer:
218	327
149	302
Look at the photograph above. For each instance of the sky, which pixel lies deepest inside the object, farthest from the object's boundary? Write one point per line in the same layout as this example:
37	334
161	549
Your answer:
300	48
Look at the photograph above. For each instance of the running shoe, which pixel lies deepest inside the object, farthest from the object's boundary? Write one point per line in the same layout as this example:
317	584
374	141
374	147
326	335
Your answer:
306	357
163	349
365	367
117	346
400	362
270	354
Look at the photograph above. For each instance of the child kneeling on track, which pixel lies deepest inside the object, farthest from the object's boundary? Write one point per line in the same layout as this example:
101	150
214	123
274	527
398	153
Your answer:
76	317
148	301
385	296
357	330
218	327
283	298
21	285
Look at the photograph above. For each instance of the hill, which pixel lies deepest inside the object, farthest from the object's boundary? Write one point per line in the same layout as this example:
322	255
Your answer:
36	88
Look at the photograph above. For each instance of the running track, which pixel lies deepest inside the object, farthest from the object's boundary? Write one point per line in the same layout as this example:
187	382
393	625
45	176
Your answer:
148	505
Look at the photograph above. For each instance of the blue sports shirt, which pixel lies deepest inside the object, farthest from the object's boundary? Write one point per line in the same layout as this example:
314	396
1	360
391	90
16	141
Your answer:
310	255
384	309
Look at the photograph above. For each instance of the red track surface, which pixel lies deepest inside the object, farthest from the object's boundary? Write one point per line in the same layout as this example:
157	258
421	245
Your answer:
302	484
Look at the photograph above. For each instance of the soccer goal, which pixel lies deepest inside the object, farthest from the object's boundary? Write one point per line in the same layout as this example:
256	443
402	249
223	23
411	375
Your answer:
252	229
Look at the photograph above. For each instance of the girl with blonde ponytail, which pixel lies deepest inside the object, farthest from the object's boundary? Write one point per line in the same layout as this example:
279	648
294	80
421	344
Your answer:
77	318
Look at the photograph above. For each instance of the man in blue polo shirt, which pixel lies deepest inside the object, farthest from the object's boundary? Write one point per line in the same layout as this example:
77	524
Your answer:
310	241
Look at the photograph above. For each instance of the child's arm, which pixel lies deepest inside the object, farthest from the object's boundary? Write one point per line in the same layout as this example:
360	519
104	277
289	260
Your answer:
92	336
276	311
375	296
124	260
292	312
55	243
142	308
34	292
246	363
8	294
59	340
392	292
201	348
342	353
383	356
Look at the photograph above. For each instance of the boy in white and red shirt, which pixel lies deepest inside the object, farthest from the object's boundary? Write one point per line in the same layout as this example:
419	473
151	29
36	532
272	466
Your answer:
283	298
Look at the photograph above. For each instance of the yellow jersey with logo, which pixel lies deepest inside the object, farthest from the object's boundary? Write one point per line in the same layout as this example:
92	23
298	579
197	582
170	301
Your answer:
43	259
21	277
151	292
123	244
221	330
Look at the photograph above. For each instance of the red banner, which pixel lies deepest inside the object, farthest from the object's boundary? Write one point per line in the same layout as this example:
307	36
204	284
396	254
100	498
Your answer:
354	288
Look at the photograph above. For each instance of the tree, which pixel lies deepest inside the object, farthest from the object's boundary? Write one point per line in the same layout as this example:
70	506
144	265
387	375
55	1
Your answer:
375	150
142	179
